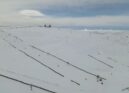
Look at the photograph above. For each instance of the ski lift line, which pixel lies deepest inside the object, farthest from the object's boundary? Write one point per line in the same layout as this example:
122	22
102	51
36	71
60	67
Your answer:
41	63
100	61
50	54
58	59
75	82
35	59
18	38
9	34
25	83
15	37
26	76
83	70
86	71
10	43
62	60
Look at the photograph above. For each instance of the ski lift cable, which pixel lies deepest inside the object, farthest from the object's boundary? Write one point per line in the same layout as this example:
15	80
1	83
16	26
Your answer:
62	60
25	83
100	61
27	76
36	60
41	63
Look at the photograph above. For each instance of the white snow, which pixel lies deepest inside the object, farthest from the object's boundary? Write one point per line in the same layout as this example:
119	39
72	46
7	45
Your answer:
77	55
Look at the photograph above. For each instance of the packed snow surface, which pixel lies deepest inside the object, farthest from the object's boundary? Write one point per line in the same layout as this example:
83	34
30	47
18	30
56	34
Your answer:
38	59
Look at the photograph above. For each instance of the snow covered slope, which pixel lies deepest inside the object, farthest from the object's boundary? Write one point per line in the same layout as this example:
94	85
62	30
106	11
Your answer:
51	60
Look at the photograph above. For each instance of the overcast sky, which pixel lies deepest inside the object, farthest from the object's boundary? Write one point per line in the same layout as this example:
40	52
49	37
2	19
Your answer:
70	12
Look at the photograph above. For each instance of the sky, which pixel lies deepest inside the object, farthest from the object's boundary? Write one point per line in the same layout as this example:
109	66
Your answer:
67	12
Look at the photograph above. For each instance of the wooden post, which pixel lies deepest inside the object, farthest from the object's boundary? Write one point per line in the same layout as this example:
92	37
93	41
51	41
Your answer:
31	87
